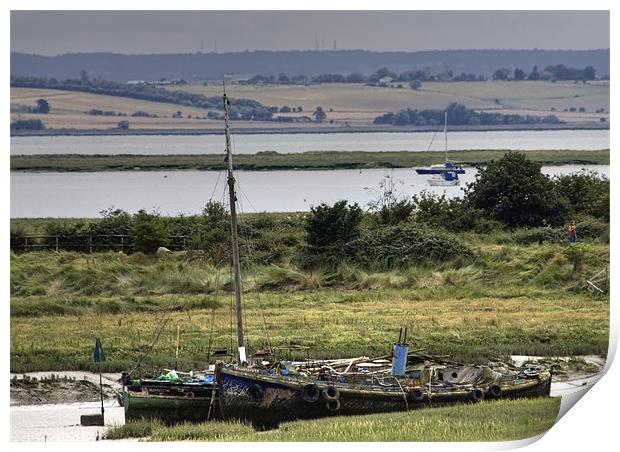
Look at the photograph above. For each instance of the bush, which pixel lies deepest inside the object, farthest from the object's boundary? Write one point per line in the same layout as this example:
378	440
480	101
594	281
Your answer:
149	232
333	225
398	246
454	214
387	247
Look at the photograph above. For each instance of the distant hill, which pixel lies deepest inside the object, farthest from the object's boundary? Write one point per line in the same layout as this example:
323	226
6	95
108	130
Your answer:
119	67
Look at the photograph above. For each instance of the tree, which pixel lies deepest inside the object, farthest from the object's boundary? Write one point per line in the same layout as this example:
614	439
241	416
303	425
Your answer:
213	233
319	114
285	109
329	226
84	75
415	85
501	74
589	73
514	191
149	232
519	75
123	125
534	75
42	107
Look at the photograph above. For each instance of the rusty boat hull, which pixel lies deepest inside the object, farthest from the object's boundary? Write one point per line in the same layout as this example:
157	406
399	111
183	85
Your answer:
266	399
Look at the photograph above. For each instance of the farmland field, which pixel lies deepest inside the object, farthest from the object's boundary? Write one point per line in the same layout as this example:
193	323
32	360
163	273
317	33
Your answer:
352	104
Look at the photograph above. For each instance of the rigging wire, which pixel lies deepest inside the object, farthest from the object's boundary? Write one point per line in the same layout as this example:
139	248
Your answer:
433	138
251	250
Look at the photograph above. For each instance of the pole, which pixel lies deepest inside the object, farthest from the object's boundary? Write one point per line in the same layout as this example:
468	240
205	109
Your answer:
445	132
101	389
234	234
176	363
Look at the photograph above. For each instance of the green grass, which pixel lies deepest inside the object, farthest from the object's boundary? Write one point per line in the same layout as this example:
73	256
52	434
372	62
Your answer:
298	161
487	421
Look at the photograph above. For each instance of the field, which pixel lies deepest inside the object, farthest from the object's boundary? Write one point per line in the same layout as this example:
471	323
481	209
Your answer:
505	420
297	161
359	103
345	104
508	299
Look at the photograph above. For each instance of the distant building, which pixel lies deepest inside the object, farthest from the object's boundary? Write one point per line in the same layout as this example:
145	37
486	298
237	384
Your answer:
385	81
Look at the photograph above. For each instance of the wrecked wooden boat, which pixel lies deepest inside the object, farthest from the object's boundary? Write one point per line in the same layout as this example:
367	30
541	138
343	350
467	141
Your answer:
291	391
181	399
169	399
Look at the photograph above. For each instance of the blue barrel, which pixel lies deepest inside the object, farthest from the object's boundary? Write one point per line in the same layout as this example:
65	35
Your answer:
399	361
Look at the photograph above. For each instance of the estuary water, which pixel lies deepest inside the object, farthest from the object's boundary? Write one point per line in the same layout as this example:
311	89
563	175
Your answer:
301	142
36	195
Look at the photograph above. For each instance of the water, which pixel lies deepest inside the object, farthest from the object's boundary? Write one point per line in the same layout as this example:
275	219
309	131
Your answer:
294	143
86	194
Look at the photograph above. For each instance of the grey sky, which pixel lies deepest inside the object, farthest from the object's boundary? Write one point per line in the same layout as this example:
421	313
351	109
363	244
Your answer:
56	32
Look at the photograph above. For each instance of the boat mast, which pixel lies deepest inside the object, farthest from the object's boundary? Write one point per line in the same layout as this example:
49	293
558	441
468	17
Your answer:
233	233
445	132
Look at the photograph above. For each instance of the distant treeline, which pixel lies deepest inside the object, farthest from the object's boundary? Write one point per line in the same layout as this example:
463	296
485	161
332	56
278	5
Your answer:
357	77
27	124
240	109
552	72
459	115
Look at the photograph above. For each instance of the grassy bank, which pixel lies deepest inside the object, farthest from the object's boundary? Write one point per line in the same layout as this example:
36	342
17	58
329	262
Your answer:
296	161
505	420
506	299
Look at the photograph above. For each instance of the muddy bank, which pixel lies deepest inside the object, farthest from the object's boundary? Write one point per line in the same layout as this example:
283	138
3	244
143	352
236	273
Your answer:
43	388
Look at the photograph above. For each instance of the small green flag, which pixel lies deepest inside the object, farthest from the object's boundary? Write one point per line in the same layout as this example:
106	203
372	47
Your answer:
98	354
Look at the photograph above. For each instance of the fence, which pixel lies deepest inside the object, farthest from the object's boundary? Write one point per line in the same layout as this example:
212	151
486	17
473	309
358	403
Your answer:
87	243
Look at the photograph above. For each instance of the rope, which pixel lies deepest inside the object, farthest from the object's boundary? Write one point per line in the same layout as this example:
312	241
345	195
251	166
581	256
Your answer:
212	327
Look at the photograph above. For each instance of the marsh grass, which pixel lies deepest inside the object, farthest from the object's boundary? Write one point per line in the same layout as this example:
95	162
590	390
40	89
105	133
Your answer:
276	161
504	420
506	299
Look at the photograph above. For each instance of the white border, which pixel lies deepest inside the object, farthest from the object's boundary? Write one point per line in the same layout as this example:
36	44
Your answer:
590	426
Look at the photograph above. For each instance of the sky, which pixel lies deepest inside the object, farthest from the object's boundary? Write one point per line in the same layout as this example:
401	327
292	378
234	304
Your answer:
139	32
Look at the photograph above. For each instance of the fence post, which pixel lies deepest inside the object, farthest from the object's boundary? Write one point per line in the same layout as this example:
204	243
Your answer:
122	243
90	243
183	242
25	243
56	243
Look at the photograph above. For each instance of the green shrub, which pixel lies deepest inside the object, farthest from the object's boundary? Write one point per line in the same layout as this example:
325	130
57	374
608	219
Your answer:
586	191
149	232
328	226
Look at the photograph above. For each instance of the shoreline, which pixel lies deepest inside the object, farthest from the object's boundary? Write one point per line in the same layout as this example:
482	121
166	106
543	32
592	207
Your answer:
313	129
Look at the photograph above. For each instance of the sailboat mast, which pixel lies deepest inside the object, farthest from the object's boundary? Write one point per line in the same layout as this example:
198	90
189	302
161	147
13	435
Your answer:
233	234
445	132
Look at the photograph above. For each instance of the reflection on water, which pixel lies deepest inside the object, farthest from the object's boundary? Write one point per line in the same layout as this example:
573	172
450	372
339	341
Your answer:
86	194
292	143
